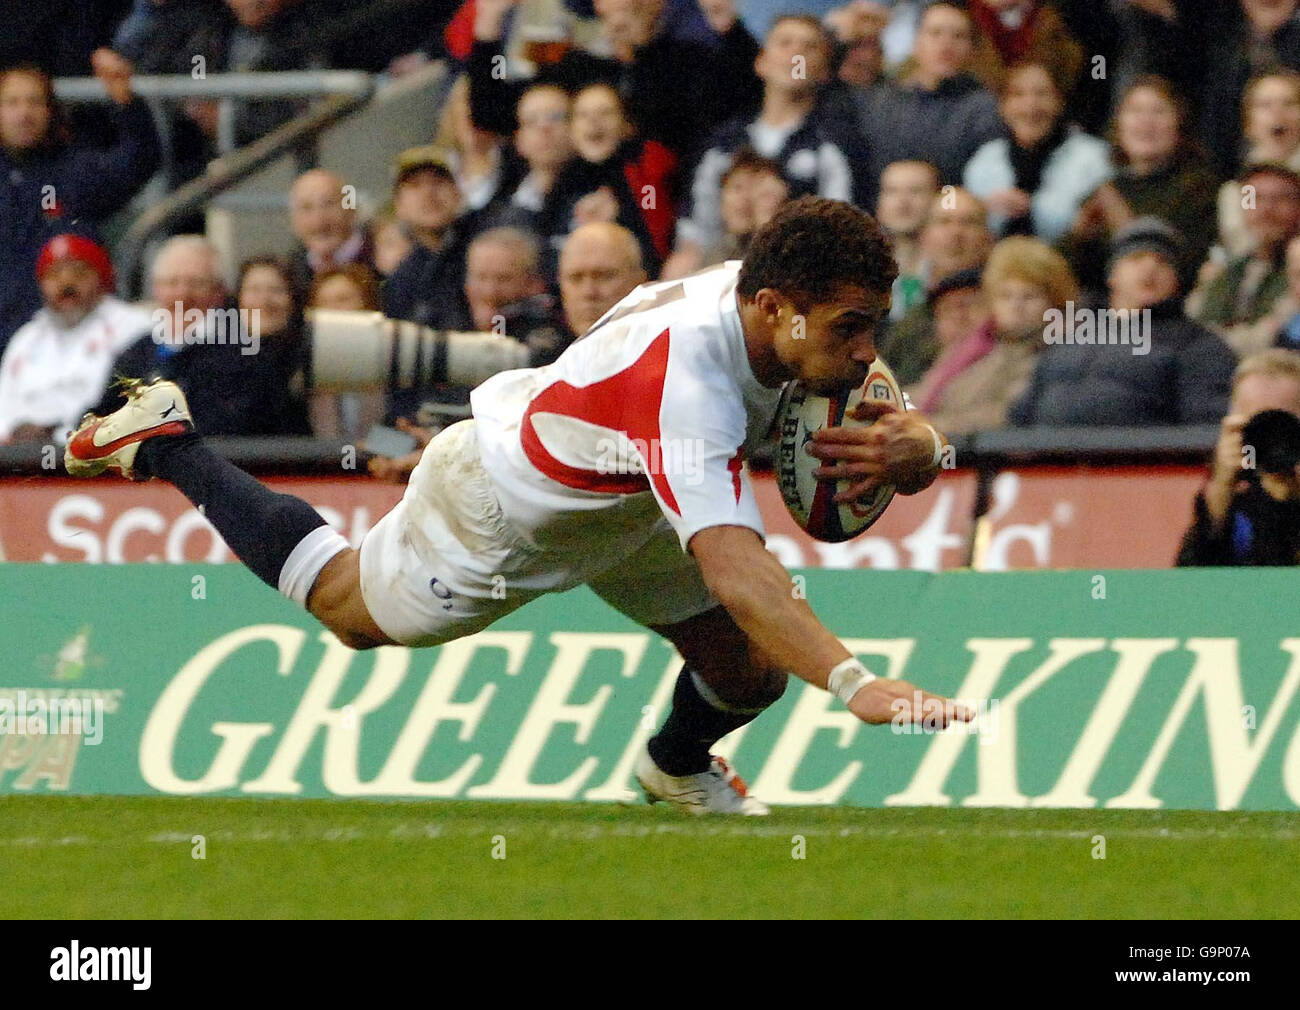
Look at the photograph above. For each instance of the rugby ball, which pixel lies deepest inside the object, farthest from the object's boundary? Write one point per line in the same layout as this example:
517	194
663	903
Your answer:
809	500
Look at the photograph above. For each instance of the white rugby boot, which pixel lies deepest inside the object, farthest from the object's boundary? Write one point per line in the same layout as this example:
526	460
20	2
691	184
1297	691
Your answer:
716	791
112	442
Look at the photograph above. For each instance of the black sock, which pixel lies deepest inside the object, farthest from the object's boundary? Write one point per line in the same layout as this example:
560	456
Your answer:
261	526
694	725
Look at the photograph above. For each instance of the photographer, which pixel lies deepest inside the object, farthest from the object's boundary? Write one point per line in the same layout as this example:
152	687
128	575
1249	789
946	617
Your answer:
1249	511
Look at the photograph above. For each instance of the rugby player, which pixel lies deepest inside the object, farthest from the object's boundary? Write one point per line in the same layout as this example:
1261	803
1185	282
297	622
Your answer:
618	466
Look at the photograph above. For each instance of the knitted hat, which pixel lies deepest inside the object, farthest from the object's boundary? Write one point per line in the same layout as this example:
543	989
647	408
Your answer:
961	280
1147	234
81	249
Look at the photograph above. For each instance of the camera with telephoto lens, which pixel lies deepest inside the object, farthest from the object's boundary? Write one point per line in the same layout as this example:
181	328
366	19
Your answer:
366	352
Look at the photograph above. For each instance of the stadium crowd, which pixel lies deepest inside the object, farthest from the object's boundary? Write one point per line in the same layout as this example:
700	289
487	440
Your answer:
1052	173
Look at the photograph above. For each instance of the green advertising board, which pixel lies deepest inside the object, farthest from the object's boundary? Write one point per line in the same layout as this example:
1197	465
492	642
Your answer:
1121	689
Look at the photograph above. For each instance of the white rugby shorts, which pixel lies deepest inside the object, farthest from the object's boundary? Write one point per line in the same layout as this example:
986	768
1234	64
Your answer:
446	561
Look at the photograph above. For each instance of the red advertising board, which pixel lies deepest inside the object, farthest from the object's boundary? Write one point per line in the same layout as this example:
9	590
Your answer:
1039	517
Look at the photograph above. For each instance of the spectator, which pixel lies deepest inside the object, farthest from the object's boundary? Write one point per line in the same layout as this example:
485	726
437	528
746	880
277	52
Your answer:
541	148
936	112
958	306
1118	46
859	55
389	240
614	177
352	287
676	92
1249	302
1168	371
266	295
199	342
268	35
1272	132
974	382
56	364
753	189
505	293
1159	173
907	190
1208	50
235	36
474	155
1036	178
894	22
323	216
794	65
428	286
154	22
503	267
599	264
956	237
1251	515
48	187
1023	31
1228	44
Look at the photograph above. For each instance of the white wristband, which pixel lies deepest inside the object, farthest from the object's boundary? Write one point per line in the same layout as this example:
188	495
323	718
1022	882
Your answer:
938	446
848	678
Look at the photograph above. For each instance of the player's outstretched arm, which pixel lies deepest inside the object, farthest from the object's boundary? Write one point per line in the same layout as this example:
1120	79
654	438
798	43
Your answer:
758	592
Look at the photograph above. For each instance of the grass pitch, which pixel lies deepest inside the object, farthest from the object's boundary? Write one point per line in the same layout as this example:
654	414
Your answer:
115	857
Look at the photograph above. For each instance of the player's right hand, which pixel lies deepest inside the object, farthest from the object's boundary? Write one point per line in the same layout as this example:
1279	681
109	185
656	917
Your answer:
889	701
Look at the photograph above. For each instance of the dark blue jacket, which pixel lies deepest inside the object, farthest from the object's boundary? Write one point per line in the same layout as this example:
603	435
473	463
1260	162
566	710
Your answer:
429	288
65	189
1256	531
1184	378
904	122
229	392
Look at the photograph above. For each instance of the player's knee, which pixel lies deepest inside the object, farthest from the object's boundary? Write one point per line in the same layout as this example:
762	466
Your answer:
771	685
335	602
761	687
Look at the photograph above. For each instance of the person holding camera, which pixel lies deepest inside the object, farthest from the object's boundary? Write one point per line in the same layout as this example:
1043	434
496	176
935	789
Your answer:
1248	513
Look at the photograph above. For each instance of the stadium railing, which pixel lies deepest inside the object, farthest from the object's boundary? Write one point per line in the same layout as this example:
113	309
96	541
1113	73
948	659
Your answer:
225	90
342	92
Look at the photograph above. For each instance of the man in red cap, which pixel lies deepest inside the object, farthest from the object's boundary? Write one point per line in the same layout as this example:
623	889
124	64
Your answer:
57	364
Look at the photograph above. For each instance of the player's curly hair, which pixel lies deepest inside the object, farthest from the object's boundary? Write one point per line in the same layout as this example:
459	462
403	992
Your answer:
812	247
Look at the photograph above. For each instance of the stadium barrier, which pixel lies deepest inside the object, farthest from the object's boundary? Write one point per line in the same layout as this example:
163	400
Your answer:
1020	499
1117	689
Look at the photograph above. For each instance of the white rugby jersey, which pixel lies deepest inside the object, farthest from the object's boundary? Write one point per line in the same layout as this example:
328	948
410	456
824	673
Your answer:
52	374
657	399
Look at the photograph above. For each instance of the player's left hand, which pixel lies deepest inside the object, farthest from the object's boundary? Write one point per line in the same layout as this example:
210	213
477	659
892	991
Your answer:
897	449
